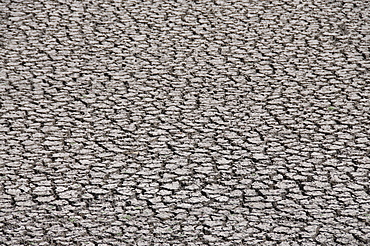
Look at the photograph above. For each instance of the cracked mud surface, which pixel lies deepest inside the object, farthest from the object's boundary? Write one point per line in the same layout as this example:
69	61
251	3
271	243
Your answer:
184	122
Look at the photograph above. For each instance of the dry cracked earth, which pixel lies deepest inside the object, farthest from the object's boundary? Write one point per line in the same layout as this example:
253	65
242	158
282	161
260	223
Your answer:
184	122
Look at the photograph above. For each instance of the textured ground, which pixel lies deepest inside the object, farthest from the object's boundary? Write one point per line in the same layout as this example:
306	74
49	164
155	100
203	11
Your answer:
184	122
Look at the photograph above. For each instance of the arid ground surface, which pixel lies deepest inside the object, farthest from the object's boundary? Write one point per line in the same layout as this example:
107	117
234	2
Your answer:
184	122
